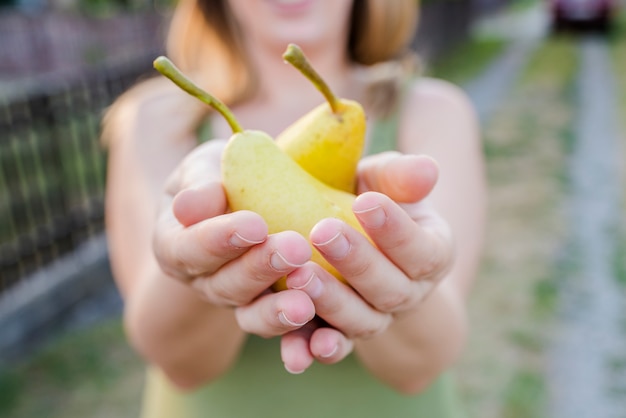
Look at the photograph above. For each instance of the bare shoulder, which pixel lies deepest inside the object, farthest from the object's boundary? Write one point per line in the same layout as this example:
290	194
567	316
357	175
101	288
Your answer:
435	109
150	129
438	95
152	106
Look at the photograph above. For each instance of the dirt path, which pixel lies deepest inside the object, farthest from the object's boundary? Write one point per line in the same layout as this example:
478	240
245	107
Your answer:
524	30
586	361
584	375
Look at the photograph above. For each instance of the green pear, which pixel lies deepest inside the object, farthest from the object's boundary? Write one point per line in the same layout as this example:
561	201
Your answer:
328	141
258	176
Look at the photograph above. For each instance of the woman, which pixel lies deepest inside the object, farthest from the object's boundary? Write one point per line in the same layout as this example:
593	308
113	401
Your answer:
195	277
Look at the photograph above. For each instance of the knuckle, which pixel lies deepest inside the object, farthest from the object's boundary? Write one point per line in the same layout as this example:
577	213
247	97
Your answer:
172	184
394	302
177	262
425	270
424	288
431	267
173	267
222	295
365	333
258	269
360	267
169	257
371	329
399	241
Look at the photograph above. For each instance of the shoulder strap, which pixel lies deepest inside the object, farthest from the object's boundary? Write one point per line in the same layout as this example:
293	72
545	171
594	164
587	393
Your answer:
384	134
204	131
384	131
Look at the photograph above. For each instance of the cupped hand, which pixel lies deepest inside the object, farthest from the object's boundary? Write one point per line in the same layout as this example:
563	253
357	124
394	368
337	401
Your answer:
228	257
412	252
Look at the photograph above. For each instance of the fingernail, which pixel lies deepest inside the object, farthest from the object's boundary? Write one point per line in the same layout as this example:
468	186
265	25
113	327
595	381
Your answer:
294	371
286	321
313	286
374	217
237	240
279	263
337	247
331	353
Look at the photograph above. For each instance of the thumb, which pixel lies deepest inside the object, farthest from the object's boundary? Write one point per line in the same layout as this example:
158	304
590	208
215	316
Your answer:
404	178
196	185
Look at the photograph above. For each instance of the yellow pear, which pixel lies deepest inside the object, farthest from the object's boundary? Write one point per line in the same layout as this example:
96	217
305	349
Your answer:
328	141
258	176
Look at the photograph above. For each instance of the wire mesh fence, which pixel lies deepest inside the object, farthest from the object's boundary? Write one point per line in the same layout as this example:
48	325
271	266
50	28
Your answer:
52	168
52	165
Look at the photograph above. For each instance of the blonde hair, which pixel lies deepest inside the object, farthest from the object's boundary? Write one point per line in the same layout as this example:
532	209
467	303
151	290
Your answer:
204	41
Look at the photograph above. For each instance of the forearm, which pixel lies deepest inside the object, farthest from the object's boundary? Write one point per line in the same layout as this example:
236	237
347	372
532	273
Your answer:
420	344
192	341
167	322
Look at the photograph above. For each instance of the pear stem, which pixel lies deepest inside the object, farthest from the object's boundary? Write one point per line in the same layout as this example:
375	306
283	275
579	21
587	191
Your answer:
166	67
294	56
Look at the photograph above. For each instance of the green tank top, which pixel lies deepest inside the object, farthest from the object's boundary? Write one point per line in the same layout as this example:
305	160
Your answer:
258	386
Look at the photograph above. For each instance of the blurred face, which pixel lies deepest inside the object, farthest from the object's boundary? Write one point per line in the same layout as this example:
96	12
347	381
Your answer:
308	23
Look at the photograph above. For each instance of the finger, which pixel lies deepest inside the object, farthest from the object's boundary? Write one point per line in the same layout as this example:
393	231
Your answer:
196	185
294	349
196	204
275	314
200	166
338	304
240	281
393	276
413	236
404	178
380	282
329	345
203	248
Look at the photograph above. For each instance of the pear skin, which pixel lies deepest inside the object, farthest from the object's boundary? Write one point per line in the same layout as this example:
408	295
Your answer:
326	144
258	176
328	141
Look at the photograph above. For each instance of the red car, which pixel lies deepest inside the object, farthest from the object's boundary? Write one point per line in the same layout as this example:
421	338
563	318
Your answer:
593	14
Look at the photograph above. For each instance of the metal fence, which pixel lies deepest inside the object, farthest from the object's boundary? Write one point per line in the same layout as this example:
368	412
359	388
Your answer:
52	165
52	168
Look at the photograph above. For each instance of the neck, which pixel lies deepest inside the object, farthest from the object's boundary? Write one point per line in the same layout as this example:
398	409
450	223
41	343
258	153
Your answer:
284	94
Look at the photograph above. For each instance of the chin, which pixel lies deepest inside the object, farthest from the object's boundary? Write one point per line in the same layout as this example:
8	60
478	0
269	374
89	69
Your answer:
306	37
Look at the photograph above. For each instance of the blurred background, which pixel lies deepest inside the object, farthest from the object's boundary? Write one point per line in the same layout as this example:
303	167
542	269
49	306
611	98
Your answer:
548	79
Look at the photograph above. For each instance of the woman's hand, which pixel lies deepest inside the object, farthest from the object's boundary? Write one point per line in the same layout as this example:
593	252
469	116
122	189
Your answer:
413	251
229	258
231	261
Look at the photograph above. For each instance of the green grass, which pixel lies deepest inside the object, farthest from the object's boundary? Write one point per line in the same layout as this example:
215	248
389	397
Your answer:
618	49
524	396
618	52
86	373
522	5
619	260
526	145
